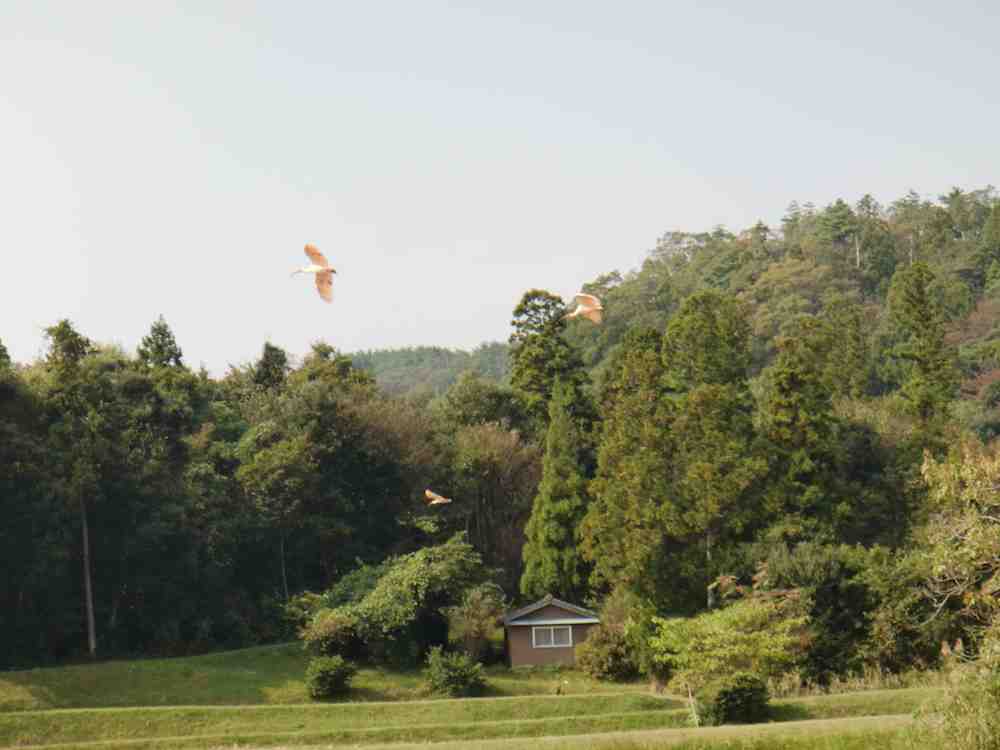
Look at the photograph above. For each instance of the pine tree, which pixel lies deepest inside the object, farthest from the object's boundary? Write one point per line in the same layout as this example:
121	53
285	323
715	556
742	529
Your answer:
159	347
4	357
552	558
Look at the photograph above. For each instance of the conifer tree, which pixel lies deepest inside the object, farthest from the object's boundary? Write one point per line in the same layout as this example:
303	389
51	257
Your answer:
932	380
553	563
159	347
272	368
539	355
622	534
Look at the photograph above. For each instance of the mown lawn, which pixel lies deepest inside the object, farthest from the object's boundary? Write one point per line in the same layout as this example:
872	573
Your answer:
265	675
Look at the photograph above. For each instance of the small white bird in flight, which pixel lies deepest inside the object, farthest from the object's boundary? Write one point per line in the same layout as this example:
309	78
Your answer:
588	306
322	269
433	498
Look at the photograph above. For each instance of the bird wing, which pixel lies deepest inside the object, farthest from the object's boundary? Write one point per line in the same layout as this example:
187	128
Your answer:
594	315
587	300
316	256
324	285
434	498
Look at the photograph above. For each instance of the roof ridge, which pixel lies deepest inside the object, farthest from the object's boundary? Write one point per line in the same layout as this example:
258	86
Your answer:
544	602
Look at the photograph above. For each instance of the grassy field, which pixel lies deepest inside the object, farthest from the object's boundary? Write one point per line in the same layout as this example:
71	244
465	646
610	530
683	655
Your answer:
256	697
264	675
425	721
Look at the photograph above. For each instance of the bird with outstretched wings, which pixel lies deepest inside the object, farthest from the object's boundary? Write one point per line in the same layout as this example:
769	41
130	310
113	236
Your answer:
433	498
322	270
589	307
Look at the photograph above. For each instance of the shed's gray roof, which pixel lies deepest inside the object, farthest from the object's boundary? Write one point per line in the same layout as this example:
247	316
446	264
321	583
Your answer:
547	600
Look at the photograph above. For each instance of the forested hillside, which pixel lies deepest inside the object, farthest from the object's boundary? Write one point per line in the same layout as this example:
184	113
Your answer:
788	407
430	370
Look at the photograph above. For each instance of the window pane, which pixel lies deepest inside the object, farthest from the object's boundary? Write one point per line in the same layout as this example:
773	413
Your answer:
560	636
543	636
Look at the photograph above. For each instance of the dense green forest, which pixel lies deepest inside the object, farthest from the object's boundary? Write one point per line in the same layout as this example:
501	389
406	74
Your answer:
426	371
804	407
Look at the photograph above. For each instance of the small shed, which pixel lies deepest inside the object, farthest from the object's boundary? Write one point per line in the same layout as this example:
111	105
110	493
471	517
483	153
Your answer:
546	632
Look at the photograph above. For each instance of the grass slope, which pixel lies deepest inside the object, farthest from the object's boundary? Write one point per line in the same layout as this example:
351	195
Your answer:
425	721
264	675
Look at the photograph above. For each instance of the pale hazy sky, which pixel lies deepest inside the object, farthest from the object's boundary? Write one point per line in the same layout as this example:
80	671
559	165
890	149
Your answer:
173	158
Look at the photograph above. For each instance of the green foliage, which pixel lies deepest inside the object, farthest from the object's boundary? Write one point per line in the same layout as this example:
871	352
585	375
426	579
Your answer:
405	612
707	342
931	380
539	356
606	655
474	624
758	635
431	370
828	579
495	473
272	368
332	632
456	675
552	562
159	347
329	677
739	698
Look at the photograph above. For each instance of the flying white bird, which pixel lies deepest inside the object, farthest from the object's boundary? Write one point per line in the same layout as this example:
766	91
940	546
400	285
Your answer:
588	306
322	269
433	498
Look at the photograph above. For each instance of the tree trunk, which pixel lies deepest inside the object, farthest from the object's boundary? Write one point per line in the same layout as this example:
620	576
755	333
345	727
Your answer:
284	576
710	598
87	588
857	251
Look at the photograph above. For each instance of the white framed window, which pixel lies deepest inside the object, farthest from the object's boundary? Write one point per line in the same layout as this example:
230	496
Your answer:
553	636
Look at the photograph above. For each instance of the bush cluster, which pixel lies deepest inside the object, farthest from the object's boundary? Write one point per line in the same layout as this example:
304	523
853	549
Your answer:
454	674
329	676
739	699
606	655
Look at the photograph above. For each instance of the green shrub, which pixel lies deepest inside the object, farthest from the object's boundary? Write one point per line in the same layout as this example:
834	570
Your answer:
332	632
472	625
762	636
454	674
739	699
606	655
329	676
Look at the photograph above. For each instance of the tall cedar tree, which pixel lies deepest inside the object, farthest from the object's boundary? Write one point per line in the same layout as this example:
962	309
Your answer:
799	425
932	378
623	537
706	353
539	355
553	563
